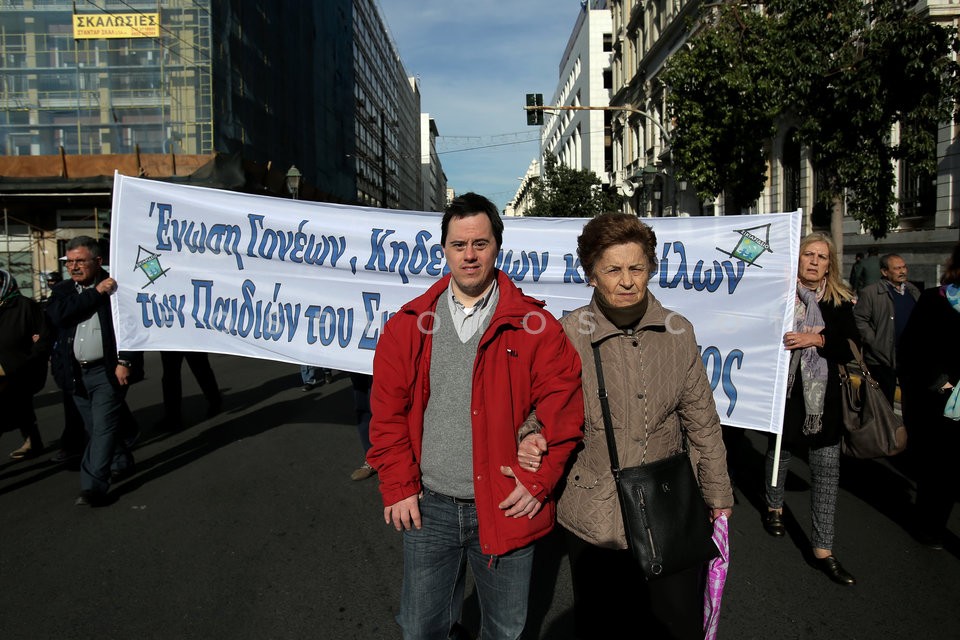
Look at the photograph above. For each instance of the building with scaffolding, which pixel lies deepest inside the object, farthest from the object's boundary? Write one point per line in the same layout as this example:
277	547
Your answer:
214	93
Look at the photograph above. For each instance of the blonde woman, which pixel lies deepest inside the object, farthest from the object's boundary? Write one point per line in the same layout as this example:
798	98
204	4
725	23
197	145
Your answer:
823	323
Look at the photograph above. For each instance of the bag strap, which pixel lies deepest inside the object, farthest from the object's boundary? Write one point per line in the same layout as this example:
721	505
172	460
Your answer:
607	419
858	357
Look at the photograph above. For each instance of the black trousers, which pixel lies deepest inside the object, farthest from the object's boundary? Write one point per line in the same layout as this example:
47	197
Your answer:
938	486
73	438
886	377
613	599
172	383
18	413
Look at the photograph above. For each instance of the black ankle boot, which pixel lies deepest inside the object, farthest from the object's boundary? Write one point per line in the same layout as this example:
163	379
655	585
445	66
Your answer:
773	523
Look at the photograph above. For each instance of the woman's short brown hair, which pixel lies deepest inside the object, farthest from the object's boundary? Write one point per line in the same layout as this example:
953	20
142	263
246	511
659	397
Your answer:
610	229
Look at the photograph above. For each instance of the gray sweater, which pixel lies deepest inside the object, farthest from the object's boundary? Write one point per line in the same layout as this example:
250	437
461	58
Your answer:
446	457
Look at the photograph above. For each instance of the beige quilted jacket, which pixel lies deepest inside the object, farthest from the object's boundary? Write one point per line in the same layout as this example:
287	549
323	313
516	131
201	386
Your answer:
656	382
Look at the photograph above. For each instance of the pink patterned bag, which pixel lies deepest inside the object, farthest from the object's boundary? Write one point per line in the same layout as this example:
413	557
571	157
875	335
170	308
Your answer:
716	578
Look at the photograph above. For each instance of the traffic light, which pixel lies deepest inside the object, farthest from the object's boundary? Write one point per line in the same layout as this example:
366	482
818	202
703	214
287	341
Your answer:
535	116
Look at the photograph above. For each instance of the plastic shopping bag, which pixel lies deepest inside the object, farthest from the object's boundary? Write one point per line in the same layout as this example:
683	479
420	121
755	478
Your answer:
716	578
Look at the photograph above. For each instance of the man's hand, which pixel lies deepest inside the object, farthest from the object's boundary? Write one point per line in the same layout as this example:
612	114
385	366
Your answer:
107	286
404	514
531	450
520	502
123	375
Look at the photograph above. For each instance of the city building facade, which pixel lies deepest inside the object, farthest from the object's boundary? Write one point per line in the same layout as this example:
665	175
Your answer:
432	177
387	124
577	134
580	139
645	35
523	200
238	93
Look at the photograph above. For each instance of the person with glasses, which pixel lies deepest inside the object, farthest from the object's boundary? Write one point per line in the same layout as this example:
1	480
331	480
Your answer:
93	372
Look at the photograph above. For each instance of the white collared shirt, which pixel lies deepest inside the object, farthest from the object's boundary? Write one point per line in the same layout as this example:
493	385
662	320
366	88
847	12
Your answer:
87	341
467	320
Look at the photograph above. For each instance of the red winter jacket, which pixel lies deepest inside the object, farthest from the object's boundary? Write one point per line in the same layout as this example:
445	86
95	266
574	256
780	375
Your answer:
516	370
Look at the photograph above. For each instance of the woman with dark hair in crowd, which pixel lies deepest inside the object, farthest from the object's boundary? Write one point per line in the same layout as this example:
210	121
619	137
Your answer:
930	348
823	324
23	364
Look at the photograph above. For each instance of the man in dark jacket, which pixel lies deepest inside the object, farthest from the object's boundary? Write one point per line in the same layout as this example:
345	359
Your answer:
92	370
881	312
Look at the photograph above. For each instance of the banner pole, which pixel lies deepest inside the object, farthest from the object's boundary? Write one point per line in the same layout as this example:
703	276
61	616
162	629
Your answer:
776	460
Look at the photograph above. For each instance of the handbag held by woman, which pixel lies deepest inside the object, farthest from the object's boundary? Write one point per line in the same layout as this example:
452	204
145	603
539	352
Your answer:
664	516
952	408
872	429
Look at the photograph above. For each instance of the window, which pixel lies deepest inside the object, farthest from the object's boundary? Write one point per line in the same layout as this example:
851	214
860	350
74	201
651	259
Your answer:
791	172
917	192
917	189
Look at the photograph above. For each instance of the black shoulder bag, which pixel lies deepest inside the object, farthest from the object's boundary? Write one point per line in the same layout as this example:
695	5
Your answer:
664	516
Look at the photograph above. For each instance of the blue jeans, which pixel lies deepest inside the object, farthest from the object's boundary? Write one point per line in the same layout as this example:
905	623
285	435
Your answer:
102	410
309	374
361	404
434	574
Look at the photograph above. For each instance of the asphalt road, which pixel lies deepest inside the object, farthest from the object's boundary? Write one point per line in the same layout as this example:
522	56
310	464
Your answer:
248	526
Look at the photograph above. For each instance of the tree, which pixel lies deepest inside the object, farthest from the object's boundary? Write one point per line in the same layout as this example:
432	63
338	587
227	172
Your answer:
563	192
723	106
846	72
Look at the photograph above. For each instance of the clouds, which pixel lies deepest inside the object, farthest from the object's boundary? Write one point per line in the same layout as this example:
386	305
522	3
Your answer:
475	61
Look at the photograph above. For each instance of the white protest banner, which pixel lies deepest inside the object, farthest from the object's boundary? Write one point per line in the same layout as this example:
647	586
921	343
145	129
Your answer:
313	283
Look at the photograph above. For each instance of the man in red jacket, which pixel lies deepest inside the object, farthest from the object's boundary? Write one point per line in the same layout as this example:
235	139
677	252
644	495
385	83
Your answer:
448	459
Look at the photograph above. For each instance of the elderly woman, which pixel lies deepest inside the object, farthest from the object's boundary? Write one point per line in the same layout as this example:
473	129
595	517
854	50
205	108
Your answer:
23	364
657	389
823	323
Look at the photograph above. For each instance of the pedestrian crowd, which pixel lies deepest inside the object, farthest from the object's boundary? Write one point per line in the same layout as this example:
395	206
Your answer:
72	334
486	435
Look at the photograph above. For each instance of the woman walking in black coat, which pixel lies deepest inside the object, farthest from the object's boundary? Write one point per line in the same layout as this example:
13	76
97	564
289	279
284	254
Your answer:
23	364
931	369
812	417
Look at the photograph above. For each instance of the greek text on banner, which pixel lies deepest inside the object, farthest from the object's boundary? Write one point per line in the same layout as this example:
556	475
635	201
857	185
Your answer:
314	283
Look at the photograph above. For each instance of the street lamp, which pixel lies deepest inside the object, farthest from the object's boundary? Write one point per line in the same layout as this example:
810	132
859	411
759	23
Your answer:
648	175
293	181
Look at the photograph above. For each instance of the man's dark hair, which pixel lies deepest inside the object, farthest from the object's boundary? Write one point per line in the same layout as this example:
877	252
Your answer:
472	204
885	260
859	255
872	251
84	241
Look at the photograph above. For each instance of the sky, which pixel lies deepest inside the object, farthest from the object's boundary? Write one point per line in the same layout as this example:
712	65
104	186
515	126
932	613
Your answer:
476	60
